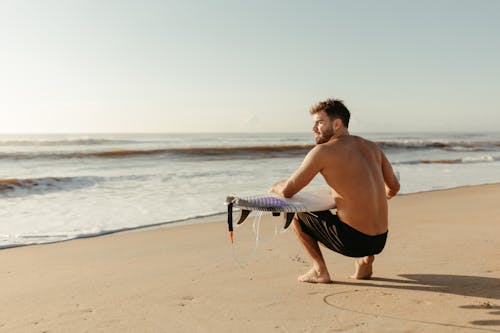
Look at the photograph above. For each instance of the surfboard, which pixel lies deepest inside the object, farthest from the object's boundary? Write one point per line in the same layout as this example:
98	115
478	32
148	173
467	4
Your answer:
310	199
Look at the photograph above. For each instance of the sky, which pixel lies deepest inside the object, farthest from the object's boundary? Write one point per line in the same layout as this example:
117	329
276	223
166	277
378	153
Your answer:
89	66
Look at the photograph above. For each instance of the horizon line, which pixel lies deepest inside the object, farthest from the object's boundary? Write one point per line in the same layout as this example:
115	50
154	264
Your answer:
245	132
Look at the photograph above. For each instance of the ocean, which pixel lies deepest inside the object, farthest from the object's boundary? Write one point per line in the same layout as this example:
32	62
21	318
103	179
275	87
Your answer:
65	186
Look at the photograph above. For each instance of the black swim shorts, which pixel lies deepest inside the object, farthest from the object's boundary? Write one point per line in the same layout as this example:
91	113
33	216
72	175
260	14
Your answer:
329	230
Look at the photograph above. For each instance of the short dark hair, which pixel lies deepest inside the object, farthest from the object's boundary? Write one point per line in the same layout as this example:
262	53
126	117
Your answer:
334	108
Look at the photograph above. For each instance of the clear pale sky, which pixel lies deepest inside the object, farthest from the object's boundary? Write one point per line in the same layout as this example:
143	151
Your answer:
229	66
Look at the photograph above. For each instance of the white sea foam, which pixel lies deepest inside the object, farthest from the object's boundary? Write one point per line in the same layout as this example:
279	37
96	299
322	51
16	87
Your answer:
478	159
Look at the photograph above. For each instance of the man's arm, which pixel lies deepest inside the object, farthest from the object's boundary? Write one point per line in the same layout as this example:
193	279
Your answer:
391	182
311	165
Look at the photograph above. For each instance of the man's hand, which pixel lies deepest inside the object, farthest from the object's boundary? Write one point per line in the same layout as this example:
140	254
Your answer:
389	193
391	179
278	187
393	188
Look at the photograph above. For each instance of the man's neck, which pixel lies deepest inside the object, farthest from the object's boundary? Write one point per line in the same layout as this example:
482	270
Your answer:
340	133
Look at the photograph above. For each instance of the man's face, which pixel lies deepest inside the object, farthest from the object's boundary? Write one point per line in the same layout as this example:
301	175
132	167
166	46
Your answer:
323	127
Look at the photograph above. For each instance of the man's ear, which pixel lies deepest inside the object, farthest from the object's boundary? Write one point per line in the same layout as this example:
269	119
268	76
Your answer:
337	123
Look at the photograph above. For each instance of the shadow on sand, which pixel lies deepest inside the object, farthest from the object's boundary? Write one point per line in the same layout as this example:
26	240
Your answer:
461	285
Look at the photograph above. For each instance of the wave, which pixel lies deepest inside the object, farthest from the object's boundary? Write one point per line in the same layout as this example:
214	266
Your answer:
25	186
464	160
205	152
444	145
251	152
62	142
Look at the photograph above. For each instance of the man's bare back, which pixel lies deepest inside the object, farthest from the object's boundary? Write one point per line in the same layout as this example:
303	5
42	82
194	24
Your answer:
353	169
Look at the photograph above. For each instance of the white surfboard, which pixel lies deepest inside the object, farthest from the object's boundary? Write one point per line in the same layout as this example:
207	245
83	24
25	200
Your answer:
310	199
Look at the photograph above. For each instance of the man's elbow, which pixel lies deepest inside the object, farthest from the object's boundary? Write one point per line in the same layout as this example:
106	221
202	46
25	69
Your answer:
287	193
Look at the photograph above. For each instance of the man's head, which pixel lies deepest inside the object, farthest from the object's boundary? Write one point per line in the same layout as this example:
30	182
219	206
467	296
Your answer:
335	109
331	117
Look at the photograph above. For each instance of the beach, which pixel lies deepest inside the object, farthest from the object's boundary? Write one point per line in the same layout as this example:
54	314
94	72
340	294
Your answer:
439	272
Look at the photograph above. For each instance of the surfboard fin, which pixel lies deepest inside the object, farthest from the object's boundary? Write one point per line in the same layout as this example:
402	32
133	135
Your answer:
244	215
288	219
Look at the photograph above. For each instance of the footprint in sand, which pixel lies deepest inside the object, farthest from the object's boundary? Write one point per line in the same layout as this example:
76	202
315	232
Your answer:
186	298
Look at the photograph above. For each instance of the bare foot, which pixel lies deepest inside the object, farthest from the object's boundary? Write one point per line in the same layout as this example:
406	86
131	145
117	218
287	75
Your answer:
314	276
363	268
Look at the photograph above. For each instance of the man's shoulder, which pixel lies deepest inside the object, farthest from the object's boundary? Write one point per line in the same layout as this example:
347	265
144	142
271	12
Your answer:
344	143
360	138
322	151
366	141
349	140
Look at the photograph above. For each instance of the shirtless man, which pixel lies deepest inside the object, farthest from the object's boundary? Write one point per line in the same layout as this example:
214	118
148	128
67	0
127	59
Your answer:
361	179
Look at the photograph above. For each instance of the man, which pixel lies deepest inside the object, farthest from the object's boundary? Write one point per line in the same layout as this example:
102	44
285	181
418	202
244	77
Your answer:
361	179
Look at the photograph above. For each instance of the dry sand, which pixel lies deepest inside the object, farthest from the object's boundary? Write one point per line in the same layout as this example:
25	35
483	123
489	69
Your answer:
440	272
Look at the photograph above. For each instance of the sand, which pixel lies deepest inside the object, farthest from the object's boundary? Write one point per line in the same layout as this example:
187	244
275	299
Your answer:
440	272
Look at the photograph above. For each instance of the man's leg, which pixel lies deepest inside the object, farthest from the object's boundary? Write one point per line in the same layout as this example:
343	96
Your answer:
319	272
363	268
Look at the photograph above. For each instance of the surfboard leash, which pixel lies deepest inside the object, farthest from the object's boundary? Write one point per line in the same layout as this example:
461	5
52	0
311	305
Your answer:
230	221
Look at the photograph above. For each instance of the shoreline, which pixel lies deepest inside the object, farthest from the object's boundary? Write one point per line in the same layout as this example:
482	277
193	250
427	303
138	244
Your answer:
171	224
209	218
